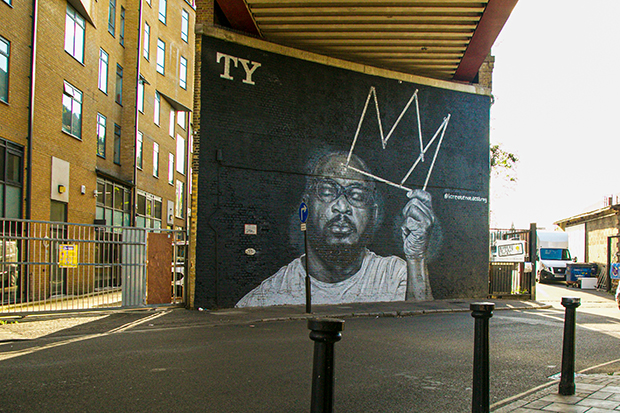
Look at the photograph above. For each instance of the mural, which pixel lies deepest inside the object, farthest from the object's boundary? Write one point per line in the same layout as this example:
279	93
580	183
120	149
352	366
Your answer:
394	174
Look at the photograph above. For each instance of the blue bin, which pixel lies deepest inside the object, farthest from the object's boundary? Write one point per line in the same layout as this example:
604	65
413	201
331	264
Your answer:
575	271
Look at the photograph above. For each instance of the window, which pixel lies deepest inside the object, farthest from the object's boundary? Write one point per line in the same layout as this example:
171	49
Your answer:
180	154
155	159
139	151
121	34
113	203
58	211
72	111
161	56
11	179
172	121
179	204
147	41
162	10
101	135
112	17
103	71
119	84
184	25
181	119
156	108
74	34
140	97
148	211
183	73
117	144
171	168
5	48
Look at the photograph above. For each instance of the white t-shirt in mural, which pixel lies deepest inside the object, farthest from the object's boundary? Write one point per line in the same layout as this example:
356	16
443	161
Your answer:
379	279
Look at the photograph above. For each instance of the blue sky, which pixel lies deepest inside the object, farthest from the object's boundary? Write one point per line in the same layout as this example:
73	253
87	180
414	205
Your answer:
557	103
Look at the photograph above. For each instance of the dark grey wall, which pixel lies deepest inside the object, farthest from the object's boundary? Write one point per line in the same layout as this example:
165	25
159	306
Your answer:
256	144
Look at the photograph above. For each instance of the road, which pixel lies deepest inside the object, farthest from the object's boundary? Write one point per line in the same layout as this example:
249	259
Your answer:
173	360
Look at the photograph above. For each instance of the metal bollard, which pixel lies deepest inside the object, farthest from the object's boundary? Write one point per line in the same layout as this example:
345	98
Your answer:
480	397
567	380
324	332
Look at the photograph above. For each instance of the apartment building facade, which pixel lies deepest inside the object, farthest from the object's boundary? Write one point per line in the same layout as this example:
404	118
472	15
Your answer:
95	111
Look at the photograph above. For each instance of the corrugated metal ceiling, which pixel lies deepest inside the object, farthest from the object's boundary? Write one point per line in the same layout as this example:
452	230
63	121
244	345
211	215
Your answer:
428	38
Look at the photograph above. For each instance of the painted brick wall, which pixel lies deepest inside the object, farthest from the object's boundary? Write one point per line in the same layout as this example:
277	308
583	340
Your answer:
260	134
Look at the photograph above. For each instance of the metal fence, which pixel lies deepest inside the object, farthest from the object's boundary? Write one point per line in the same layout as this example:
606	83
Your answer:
508	279
51	266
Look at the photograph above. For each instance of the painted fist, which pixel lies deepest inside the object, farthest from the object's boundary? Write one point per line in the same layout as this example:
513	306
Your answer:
418	220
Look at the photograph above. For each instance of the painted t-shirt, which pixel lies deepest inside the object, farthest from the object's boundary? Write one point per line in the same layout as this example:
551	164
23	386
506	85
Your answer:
379	279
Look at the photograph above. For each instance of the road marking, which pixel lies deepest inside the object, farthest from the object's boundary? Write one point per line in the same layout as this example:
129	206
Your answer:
19	353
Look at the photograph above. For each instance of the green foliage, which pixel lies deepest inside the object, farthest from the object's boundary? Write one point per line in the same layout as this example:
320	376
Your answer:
503	163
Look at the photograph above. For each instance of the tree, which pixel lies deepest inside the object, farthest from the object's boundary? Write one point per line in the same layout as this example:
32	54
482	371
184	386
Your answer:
503	163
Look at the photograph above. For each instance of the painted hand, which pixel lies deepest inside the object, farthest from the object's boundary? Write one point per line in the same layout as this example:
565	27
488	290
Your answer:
417	224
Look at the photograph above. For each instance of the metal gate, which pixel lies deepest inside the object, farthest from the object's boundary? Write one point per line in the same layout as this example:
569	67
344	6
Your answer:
52	266
508	279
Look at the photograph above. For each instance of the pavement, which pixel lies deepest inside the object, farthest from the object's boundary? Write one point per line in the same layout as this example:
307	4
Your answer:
595	393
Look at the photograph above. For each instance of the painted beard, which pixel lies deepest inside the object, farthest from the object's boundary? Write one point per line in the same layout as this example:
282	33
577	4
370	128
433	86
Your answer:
339	242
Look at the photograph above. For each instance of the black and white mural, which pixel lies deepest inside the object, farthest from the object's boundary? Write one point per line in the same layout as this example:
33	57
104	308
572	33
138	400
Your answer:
390	176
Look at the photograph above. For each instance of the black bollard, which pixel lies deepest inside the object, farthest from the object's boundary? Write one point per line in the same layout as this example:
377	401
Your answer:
325	332
567	381
480	397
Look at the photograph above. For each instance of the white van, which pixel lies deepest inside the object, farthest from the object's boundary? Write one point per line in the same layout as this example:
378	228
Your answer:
552	256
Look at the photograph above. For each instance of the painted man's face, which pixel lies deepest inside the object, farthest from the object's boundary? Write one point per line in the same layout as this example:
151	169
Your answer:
342	206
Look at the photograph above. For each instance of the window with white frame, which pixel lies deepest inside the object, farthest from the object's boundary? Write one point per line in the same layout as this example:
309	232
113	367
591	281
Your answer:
103	71
163	5
140	97
112	17
183	73
180	199
121	34
74	34
161	56
148	211
184	25
139	146
113	203
171	168
117	144
5	49
181	117
156	108
119	84
180	154
72	111
172	122
101	135
147	41
155	159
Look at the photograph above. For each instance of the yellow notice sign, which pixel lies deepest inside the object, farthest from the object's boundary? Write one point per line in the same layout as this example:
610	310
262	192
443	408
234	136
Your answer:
68	256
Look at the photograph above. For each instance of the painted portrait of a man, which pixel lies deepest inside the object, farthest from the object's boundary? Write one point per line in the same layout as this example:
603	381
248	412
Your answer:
343	211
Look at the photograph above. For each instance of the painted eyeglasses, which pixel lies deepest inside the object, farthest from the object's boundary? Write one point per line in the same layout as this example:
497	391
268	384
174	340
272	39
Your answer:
357	195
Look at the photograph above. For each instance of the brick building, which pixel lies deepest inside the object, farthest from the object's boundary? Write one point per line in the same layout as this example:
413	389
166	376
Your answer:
95	105
594	236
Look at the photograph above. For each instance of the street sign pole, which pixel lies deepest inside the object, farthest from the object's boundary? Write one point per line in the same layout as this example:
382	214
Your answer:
303	217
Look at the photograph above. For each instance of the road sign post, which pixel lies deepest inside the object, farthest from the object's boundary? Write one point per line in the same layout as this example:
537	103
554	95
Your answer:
303	217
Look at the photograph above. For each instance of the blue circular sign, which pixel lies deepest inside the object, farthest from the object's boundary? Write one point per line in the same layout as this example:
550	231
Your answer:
303	212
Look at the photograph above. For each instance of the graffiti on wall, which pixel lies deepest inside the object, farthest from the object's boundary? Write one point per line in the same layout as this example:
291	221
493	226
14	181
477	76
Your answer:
341	192
395	176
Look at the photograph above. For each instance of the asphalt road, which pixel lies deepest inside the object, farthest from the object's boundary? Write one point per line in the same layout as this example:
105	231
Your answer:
174	361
